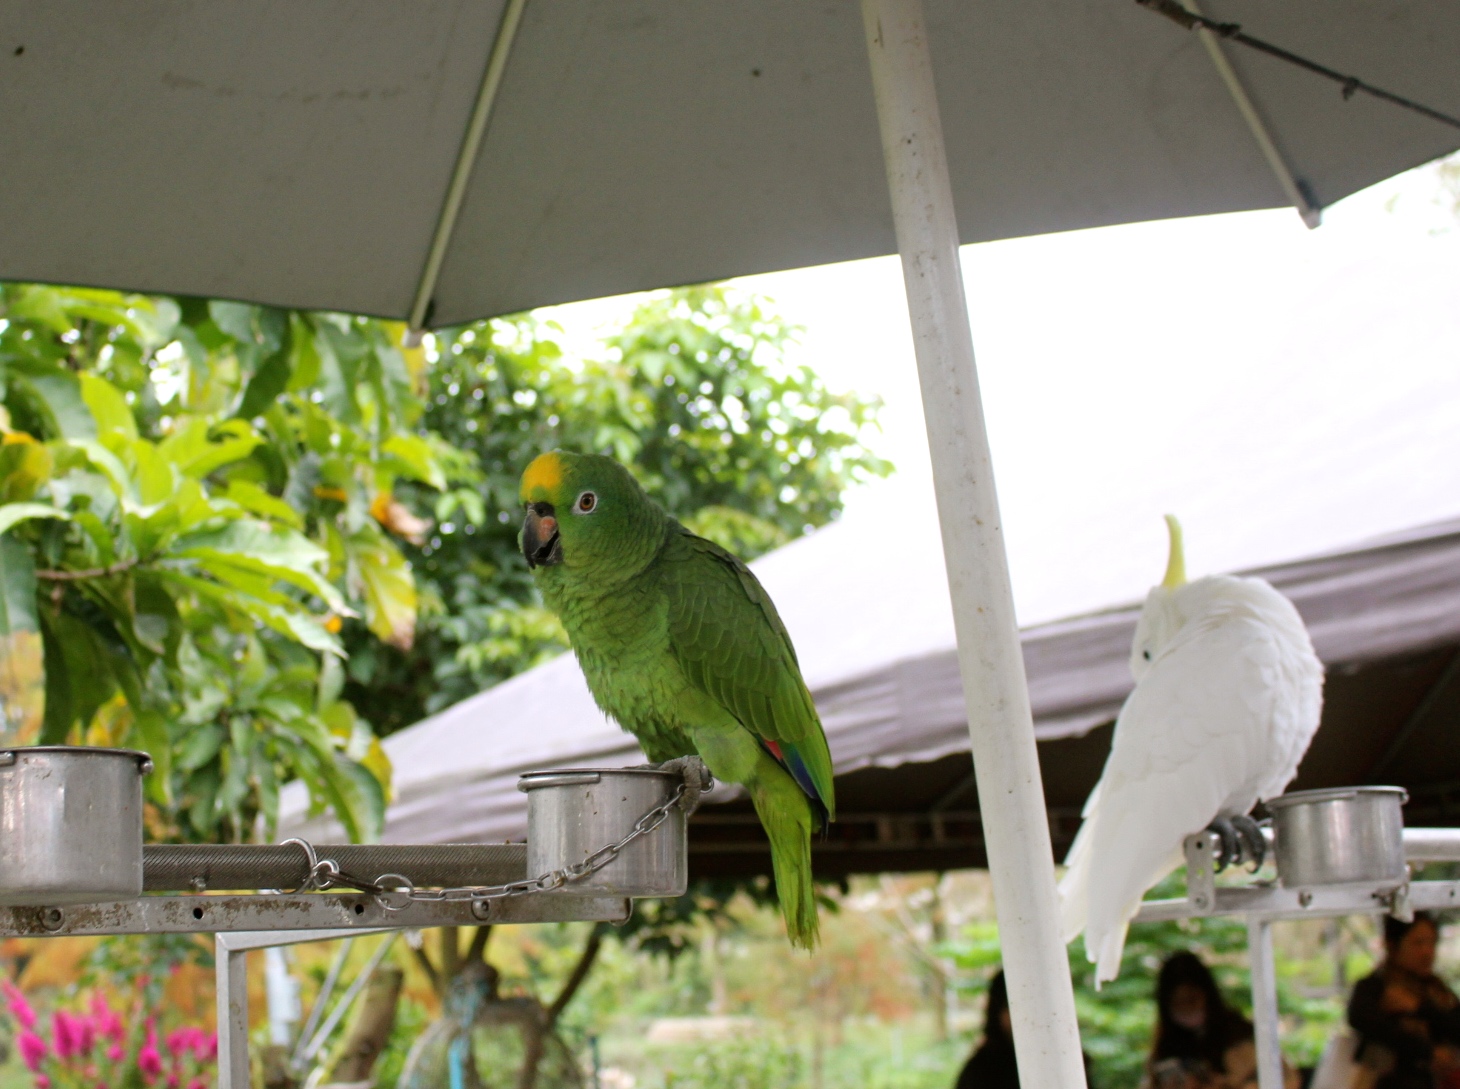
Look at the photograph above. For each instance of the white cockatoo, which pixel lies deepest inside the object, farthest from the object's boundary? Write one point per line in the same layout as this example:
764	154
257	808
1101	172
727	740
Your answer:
1228	695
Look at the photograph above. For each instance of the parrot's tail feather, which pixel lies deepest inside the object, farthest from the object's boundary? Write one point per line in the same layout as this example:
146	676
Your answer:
786	814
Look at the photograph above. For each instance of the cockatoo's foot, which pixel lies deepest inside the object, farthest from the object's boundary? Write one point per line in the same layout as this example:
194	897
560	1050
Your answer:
697	779
1241	842
1255	846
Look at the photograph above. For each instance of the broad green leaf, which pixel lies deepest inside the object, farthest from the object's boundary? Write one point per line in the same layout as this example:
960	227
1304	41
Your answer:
108	407
78	679
414	457
256	546
24	466
235	319
17	588
12	514
152	739
156	474
268	382
110	465
256	500
197	448
291	622
387	586
57	393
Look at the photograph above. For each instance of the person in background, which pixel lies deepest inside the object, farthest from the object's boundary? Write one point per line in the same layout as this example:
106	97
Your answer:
992	1065
1407	1020
1201	1041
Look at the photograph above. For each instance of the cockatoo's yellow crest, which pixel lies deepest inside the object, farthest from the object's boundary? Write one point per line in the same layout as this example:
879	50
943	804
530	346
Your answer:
1176	565
543	477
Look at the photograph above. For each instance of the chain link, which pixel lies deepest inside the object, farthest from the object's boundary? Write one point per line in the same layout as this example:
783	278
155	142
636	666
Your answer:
395	892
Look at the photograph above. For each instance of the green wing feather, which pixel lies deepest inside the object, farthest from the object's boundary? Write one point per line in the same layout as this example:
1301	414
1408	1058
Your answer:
727	638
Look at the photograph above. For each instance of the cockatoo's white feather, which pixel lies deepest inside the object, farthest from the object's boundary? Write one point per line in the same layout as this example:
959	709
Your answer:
1228	695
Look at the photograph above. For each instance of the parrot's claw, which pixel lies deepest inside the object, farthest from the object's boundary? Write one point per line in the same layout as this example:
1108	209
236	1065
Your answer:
1242	841
697	779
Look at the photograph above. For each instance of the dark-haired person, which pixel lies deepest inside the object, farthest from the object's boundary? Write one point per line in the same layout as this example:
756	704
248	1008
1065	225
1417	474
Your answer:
1407	1020
992	1066
1201	1041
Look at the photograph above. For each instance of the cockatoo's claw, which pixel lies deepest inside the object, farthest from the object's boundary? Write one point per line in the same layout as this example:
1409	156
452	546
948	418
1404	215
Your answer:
1230	850
1254	846
697	779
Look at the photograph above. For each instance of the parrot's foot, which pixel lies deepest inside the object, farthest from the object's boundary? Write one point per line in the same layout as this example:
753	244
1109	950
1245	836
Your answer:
697	779
1242	841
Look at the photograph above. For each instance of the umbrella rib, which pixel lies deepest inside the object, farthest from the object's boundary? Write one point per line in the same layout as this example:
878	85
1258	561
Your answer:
1297	192
465	160
1192	21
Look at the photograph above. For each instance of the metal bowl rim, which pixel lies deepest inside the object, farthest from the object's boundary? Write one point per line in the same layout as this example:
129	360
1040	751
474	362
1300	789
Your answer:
1333	794
144	760
528	777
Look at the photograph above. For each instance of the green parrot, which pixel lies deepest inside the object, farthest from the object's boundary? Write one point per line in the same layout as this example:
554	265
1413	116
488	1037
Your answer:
682	647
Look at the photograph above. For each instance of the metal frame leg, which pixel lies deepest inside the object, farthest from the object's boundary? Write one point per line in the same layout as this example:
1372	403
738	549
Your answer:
1264	1004
231	966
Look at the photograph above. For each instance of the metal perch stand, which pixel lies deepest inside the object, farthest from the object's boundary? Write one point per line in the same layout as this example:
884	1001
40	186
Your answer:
1339	852
76	865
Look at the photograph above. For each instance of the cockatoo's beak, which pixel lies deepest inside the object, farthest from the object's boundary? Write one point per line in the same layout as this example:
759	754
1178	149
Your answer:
1176	565
540	542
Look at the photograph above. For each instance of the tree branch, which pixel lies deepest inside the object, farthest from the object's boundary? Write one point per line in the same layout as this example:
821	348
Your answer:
575	980
89	573
477	950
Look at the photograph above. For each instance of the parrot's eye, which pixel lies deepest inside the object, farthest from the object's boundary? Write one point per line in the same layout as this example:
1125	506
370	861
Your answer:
587	501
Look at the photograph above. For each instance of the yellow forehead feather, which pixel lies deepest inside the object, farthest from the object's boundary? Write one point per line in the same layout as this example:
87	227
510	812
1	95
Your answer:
543	476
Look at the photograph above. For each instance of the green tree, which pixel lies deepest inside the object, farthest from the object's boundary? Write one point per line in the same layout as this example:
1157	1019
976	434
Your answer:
192	496
695	394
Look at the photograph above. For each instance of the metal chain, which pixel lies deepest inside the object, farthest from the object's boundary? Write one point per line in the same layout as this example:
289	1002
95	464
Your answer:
394	891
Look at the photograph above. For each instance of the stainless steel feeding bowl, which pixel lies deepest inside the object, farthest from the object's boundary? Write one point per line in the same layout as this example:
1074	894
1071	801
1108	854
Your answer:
1349	835
571	815
70	824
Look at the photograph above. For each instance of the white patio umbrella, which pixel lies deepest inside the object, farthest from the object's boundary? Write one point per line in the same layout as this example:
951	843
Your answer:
446	160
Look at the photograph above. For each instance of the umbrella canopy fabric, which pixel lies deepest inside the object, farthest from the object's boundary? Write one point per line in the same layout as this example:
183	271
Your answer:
884	674
300	154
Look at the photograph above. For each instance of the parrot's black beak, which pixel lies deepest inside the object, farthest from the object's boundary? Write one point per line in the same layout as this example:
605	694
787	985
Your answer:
540	542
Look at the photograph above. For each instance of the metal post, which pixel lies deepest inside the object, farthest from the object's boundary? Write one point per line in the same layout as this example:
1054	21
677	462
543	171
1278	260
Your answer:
1011	796
1264	1004
231	966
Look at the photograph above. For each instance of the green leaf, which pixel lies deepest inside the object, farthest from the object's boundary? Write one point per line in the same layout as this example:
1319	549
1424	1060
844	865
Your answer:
57	393
257	546
268	382
297	625
387	585
107	406
12	514
79	677
17	588
152	739
197	448
414	457
256	500
24	467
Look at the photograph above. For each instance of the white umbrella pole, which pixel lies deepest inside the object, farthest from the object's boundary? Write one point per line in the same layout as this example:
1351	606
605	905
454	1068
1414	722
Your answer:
1001	727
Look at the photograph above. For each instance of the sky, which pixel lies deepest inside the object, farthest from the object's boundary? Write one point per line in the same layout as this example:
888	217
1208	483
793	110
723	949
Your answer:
1283	391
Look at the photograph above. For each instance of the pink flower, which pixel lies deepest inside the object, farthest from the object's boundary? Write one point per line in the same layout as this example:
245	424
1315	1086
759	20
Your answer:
149	1062
32	1049
42	1082
207	1049
63	1035
116	1053
198	1083
173	1081
19	1007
